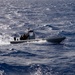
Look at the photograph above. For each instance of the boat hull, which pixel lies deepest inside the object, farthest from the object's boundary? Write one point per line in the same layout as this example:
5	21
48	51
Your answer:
22	41
50	39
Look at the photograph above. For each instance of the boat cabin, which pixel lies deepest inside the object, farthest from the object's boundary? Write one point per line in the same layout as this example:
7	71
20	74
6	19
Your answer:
31	34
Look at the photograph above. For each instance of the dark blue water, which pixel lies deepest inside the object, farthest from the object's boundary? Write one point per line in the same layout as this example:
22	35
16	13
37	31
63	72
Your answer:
46	18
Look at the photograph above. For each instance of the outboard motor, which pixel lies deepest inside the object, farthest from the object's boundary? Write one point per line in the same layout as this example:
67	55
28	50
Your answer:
31	34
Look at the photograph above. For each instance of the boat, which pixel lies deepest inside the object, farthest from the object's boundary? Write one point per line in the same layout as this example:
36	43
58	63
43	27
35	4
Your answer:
30	37
54	39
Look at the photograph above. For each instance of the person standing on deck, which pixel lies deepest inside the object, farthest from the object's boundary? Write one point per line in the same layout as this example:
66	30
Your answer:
14	38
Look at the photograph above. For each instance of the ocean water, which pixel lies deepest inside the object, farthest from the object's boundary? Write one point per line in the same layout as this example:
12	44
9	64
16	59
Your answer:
46	18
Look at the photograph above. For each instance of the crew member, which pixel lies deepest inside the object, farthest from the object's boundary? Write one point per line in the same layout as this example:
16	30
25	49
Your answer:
14	38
